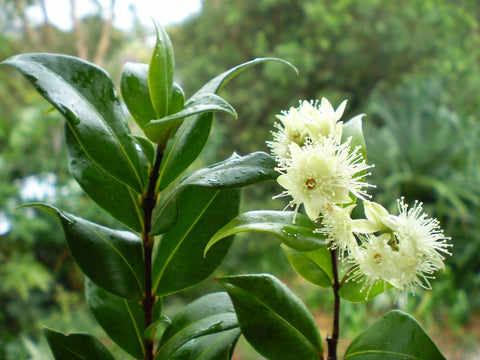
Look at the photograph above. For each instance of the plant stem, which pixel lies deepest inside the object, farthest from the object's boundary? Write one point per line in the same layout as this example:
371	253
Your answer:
148	204
332	341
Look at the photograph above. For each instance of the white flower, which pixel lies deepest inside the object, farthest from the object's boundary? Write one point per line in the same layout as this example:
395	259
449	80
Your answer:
307	121
338	227
320	174
376	261
413	245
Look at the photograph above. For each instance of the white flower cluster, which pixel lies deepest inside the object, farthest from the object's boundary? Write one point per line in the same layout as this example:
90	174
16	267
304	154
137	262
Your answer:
325	174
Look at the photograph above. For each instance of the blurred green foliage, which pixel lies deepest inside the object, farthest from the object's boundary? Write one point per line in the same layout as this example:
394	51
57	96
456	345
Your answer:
412	66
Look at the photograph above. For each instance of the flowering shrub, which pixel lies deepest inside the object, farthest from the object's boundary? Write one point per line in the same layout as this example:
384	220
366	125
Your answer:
179	225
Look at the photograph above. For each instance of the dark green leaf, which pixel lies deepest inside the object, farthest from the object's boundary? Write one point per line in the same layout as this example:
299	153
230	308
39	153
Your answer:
112	259
192	135
160	131
147	148
134	86
121	319
76	346
396	336
273	320
234	172
165	215
299	236
179	262
212	313
314	266
217	346
85	96
160	74
113	196
184	147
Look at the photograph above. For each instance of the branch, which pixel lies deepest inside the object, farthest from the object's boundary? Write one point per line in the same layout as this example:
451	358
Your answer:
31	35
332	341
49	36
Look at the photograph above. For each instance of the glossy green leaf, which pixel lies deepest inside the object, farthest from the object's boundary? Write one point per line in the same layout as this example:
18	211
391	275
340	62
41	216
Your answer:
76	346
112	259
395	336
314	266
219	81
179	262
217	346
147	148
160	73
184	148
160	131
165	214
192	135
272	318
299	236
236	171
134	87
85	96
212	313
121	319
356	291
113	196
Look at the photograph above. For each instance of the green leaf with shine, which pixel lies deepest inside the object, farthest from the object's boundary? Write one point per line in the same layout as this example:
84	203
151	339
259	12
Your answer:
113	196
299	236
395	336
112	259
192	135
84	94
178	262
160	73
236	171
135	92
217	346
121	319
354	290
210	314
272	318
314	266
76	346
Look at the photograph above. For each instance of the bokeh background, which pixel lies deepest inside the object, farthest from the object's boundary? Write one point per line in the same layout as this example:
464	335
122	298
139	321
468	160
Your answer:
413	66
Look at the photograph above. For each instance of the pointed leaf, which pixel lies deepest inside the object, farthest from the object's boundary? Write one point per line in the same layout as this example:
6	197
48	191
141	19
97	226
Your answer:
134	87
236	171
396	336
217	346
160	131
273	320
147	148
113	196
112	259
160	74
121	319
299	236
179	262
85	96
212	313
219	81
314	266
184	148
76	346
192	135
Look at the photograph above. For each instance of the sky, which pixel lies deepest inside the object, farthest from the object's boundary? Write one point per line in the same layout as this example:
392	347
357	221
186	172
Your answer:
166	12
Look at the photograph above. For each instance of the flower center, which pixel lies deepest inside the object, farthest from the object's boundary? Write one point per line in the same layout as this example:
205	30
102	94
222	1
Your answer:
377	258
296	137
310	183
